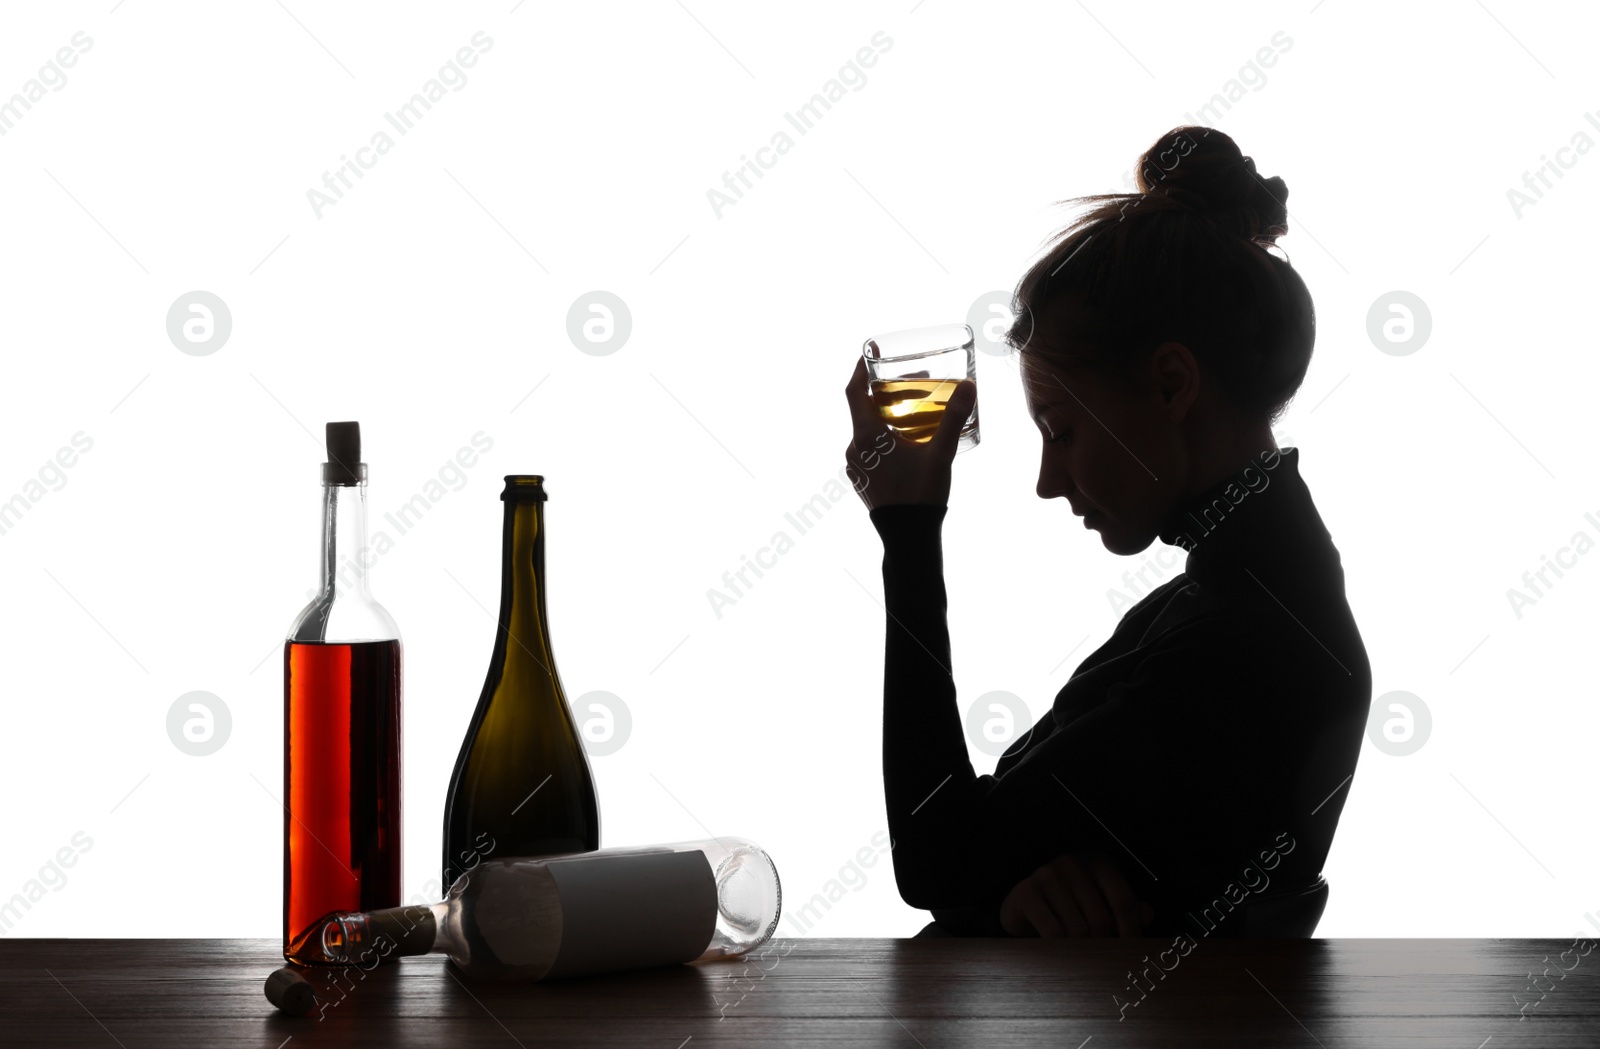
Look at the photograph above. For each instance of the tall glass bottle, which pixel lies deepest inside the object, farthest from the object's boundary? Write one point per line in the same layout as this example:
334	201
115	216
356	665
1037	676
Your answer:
341	724
521	785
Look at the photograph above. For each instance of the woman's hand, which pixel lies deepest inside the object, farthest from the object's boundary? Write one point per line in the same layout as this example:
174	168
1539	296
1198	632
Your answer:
1081	895
885	467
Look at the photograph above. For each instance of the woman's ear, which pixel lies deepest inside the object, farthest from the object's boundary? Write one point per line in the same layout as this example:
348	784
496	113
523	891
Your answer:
1176	375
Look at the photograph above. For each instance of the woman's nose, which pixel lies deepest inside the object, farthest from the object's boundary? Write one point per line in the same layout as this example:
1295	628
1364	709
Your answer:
1052	483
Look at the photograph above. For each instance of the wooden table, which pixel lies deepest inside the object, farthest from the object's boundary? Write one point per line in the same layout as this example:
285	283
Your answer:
929	993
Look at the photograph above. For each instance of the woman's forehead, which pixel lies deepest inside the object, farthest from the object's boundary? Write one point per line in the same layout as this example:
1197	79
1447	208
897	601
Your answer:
1065	389
1044	382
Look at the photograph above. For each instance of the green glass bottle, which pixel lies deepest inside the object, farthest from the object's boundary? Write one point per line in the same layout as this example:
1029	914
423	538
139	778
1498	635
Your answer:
522	784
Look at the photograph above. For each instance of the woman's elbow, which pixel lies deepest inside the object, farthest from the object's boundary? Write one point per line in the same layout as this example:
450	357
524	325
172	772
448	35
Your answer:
918	880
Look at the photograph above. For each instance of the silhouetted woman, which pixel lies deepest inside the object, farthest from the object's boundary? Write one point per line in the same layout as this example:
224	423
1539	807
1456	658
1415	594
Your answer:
1198	760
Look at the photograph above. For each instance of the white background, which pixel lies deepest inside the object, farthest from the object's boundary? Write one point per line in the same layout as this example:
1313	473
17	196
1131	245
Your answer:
432	298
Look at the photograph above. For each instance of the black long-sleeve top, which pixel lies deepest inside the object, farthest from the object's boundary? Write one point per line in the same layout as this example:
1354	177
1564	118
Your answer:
1207	747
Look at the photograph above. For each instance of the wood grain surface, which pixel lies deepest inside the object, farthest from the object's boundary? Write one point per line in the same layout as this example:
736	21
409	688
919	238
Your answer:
931	993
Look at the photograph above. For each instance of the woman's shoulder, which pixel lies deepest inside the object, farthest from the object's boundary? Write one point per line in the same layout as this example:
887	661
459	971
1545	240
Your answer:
1259	653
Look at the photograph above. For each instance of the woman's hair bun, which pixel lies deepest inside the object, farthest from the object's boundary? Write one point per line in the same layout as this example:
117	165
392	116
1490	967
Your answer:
1202	169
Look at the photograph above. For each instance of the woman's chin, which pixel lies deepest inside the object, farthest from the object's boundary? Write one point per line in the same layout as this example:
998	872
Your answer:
1096	522
1111	536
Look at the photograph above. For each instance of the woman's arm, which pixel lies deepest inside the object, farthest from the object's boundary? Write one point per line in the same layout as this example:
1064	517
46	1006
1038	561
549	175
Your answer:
924	744
943	856
1156	772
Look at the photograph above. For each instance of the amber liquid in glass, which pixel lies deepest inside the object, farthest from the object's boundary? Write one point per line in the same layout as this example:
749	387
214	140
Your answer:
341	780
913	408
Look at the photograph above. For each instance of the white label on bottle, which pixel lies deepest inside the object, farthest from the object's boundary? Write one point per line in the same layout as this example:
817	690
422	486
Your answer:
633	911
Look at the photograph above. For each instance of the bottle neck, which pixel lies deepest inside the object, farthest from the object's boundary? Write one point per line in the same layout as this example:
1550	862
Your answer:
344	539
358	937
522	582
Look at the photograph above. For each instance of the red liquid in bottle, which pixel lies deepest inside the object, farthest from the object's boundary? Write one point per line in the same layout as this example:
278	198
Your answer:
341	779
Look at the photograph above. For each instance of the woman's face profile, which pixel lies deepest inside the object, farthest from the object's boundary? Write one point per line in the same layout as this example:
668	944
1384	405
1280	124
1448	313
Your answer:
1114	454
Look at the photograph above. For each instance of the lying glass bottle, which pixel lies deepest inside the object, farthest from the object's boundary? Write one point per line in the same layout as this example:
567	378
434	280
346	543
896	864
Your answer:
544	917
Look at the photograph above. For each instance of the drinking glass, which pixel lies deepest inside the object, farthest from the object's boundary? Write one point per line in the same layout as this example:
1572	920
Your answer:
912	374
